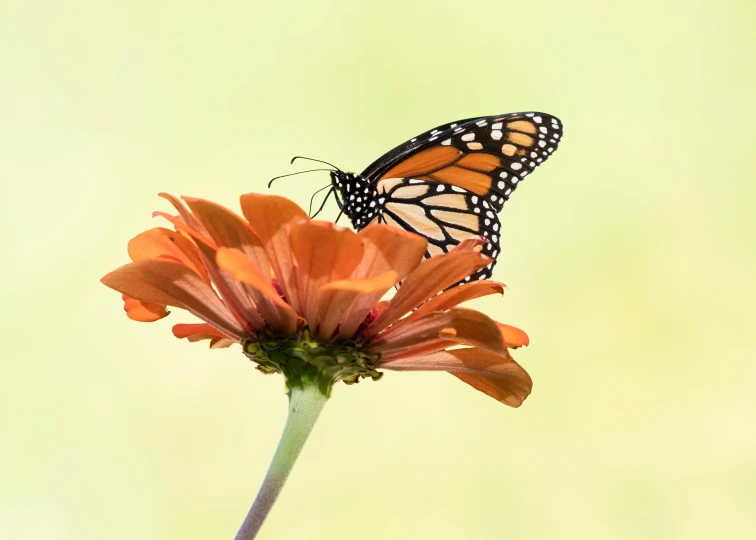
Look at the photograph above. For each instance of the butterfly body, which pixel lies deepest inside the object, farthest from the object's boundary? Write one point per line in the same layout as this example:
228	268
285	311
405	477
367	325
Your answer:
449	183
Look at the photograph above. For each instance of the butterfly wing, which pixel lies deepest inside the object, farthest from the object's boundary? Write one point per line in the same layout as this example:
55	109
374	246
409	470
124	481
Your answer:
443	214
486	156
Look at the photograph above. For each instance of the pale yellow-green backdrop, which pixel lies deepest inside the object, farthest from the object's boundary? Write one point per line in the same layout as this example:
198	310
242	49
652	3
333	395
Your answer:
629	258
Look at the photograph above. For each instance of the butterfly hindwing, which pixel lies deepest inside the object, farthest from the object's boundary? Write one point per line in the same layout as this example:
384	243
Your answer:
443	214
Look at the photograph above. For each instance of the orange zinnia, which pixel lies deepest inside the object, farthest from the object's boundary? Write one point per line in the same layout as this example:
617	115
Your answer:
303	297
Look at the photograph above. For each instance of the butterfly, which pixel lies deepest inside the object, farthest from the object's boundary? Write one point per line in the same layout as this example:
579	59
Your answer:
450	183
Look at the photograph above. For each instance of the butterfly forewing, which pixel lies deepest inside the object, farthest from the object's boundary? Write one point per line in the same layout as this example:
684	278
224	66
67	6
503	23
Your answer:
486	156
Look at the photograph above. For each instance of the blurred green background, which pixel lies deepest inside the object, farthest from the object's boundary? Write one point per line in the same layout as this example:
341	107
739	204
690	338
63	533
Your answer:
629	258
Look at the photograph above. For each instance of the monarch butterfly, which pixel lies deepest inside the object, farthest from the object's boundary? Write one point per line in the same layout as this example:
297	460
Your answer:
449	183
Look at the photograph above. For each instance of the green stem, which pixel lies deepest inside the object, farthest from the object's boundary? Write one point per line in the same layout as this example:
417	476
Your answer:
305	403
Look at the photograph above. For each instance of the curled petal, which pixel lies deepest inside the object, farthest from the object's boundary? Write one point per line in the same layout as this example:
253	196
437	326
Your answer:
350	301
271	217
279	315
498	376
324	252
137	310
513	337
172	284
165	243
473	243
182	331
464	326
426	281
221	343
200	332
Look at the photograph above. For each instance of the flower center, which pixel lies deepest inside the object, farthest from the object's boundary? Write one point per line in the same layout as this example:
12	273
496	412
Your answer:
305	359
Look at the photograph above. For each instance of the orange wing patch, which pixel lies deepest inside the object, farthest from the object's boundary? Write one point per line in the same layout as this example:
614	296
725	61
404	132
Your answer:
424	162
480	162
522	125
521	139
508	150
474	181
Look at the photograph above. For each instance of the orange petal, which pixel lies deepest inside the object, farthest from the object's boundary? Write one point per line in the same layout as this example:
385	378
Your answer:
199	332
389	248
168	283
221	343
453	297
233	293
513	337
143	311
423	348
498	376
186	216
352	300
229	230
165	243
386	249
428	279
324	252
270	217
182	331
280	316
464	326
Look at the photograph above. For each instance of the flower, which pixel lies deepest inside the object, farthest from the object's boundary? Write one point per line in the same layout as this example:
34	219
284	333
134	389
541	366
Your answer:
304	298
285	286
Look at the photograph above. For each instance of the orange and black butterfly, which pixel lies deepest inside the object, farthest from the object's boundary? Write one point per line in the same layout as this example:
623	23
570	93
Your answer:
450	183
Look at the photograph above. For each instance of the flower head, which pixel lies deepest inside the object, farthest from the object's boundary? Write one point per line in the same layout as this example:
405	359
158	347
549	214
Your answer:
288	287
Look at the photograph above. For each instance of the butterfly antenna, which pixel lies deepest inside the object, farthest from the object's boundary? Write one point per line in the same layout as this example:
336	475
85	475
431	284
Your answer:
309	211
322	205
318	160
292	174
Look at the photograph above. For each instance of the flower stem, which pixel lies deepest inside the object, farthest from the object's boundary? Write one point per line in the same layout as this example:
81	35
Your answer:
306	400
